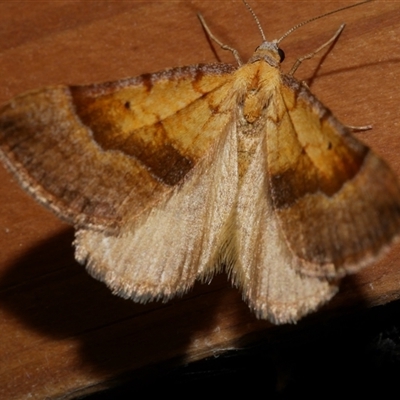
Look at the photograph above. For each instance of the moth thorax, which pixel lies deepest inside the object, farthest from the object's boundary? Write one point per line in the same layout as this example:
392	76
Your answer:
252	108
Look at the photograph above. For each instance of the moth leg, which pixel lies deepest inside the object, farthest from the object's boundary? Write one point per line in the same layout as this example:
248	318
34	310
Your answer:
216	40
312	54
363	128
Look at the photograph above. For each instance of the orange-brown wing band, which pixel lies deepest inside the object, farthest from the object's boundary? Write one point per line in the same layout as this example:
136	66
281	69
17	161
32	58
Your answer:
338	203
93	153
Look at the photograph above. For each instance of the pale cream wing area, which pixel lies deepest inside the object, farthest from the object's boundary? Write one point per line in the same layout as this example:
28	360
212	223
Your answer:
266	268
162	252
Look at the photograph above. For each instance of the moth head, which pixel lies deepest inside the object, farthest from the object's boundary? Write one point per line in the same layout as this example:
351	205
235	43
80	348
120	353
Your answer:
270	52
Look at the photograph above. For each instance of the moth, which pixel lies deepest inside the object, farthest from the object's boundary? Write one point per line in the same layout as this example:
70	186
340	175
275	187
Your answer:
172	176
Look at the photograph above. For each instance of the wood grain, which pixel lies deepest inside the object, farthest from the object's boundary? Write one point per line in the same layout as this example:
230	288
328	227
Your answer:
63	333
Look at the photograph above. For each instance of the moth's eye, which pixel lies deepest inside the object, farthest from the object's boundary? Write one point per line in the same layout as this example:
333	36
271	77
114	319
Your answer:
281	54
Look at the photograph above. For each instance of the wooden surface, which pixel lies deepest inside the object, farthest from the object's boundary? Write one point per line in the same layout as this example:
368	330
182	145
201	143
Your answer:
62	332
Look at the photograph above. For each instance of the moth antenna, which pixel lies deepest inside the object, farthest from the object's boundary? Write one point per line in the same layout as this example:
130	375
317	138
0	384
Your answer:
318	17
256	20
216	40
